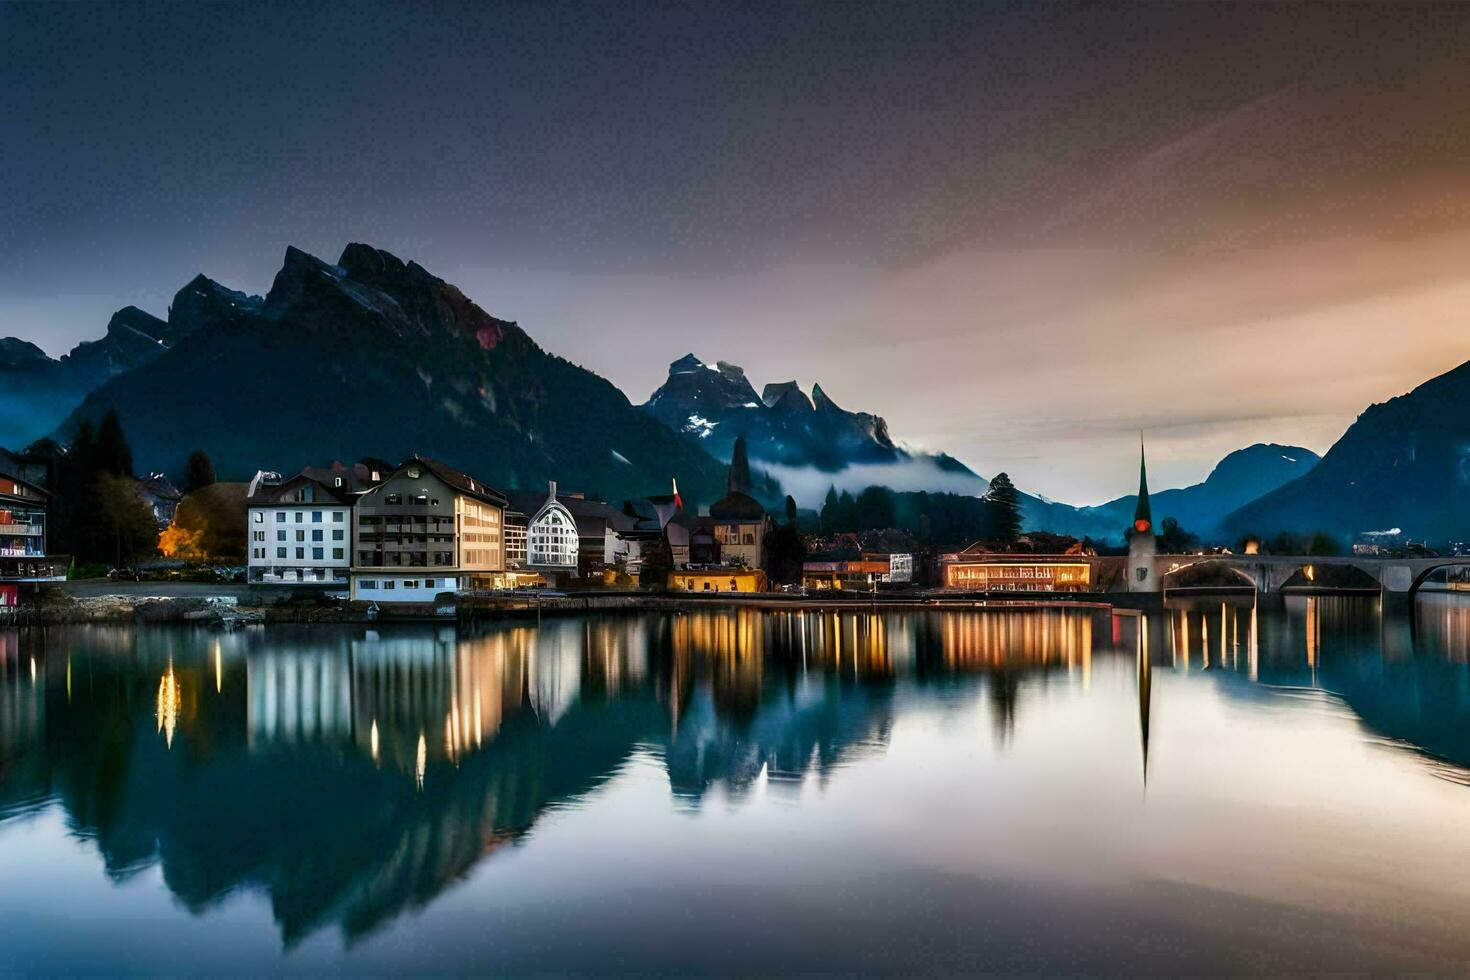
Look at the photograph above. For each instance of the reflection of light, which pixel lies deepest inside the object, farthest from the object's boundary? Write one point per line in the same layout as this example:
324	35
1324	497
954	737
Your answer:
218	673
33	671
421	762
168	705
373	739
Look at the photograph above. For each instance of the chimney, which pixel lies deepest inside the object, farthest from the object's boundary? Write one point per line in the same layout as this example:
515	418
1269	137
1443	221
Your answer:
552	493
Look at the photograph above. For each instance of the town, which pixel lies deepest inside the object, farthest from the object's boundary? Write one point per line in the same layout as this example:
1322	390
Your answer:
411	535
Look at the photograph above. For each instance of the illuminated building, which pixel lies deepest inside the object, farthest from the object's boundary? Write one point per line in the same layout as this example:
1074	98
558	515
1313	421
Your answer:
23	556
551	536
424	530
718	580
1016	573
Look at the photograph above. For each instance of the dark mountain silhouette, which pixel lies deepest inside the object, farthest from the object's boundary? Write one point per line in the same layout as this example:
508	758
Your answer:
37	391
376	356
1404	463
1236	480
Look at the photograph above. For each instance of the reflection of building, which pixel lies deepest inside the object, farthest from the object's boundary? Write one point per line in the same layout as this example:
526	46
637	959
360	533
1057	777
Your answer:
427	529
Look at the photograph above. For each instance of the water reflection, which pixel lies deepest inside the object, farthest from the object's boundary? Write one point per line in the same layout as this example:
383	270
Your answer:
350	775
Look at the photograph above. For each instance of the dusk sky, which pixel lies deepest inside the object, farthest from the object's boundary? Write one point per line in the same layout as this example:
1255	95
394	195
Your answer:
1021	233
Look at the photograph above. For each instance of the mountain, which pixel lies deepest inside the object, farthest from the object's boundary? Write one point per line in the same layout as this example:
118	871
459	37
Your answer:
780	425
1404	463
374	356
37	391
1236	480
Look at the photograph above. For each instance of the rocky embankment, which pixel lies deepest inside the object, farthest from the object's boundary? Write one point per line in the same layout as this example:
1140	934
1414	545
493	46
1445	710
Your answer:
54	607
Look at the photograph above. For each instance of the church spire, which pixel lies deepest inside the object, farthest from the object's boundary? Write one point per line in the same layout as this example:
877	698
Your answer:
1143	519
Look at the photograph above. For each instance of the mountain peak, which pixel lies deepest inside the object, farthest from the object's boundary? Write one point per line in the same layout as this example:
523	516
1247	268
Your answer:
787	395
687	364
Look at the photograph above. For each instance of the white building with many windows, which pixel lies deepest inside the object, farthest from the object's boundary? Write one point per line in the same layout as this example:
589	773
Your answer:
299	530
551	535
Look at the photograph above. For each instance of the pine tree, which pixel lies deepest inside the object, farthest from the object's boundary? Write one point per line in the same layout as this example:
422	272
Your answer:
1005	506
739	478
790	510
111	453
199	471
829	511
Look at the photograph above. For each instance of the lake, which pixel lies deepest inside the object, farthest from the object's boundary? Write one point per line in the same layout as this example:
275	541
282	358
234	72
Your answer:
1214	788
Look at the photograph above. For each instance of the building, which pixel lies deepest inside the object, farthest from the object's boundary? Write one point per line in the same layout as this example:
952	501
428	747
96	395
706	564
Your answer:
738	522
974	570
299	530
23	557
596	526
515	539
717	580
426	529
161	496
551	536
864	574
1143	547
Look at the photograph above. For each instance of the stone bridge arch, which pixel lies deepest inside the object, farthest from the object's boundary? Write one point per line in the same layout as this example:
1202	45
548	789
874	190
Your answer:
1175	571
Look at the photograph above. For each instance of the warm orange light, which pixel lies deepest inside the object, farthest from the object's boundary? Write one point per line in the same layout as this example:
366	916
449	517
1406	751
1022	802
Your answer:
1141	525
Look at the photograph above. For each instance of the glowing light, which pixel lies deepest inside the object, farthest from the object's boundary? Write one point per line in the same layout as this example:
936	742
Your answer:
169	702
219	679
373	739
421	763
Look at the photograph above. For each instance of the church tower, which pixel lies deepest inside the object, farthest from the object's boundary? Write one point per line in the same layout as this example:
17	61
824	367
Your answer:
1142	546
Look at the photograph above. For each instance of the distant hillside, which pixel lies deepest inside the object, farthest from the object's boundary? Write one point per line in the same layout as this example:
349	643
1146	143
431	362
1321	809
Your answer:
1404	463
374	356
37	391
1236	480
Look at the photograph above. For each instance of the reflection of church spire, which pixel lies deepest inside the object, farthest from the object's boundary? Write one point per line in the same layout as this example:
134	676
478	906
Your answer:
1145	690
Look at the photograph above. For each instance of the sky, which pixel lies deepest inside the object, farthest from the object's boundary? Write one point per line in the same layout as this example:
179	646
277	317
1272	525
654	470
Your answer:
1022	233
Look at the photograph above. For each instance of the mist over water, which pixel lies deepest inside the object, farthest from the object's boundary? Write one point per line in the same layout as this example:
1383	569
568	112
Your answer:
1215	787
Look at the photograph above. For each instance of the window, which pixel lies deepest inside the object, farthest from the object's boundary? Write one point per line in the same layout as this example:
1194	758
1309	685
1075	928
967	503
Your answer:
388	583
300	553
280	552
316	535
300	535
259	516
280	517
429	583
410	583
316	554
257	536
422	500
393	499
337	535
337	482
336	552
338	516
368	583
300	516
281	535
316	517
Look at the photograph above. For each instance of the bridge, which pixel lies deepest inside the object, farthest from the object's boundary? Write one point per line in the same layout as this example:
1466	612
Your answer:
1271	573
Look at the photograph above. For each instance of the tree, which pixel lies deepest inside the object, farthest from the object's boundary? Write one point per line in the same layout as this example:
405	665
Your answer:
873	509
790	510
829	511
658	562
1174	540
1005	506
115	524
198	471
111	453
787	555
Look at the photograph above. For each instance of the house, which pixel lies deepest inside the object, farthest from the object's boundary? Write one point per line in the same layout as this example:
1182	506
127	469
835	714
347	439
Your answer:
591	519
738	522
515	539
23	557
427	528
161	496
299	529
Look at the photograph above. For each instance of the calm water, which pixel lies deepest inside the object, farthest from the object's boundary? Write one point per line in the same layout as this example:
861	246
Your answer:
1005	790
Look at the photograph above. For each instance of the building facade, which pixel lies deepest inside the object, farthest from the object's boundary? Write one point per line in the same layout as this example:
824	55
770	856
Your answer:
552	537
426	529
300	532
23	557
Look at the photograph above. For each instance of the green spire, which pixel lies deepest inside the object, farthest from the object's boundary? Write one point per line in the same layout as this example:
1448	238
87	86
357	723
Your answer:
1143	512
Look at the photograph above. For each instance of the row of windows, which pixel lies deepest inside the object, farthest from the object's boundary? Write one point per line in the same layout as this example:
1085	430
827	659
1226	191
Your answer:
317	554
338	516
411	583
